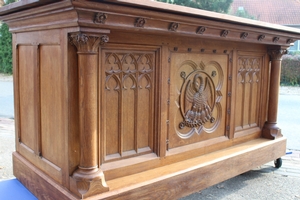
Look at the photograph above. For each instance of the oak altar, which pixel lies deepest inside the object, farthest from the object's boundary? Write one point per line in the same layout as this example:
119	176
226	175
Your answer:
127	100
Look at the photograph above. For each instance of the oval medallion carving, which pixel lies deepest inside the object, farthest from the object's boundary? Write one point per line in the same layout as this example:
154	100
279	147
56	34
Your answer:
197	100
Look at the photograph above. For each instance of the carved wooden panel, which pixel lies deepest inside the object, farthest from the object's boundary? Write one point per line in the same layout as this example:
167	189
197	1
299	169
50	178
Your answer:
197	102
248	92
128	102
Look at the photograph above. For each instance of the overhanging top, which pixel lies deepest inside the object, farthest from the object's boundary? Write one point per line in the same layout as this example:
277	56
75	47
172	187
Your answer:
158	17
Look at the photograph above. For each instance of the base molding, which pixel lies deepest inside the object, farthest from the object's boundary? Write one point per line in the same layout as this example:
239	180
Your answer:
167	182
39	183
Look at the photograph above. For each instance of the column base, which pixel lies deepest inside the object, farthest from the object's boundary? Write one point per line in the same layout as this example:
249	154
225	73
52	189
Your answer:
271	131
86	183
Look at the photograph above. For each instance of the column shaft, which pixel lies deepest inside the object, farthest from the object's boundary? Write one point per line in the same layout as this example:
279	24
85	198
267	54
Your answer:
270	129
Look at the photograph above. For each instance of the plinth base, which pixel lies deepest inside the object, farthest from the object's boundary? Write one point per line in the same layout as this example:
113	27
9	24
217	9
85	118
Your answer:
167	182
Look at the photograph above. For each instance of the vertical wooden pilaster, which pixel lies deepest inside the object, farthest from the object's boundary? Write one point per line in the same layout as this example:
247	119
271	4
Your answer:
270	129
88	179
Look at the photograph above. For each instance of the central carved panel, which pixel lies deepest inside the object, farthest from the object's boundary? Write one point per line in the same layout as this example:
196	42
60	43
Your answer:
197	101
197	105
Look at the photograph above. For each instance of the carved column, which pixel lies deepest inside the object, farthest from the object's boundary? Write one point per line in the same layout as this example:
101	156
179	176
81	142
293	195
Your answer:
88	179
270	129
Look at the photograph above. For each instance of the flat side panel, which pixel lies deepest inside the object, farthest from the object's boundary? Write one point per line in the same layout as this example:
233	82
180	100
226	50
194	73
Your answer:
51	109
28	94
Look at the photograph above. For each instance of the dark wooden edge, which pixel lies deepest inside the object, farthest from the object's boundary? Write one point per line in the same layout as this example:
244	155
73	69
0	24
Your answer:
22	5
158	6
183	10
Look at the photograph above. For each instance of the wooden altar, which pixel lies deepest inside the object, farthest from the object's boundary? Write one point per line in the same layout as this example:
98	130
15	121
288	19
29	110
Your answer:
141	100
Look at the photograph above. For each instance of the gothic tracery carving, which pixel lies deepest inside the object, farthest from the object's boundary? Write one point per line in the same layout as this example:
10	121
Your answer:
133	66
248	79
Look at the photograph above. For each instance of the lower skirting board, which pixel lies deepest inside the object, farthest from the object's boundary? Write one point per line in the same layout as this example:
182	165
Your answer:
168	182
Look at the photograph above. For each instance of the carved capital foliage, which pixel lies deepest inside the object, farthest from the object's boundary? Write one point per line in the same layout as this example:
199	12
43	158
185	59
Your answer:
86	43
276	54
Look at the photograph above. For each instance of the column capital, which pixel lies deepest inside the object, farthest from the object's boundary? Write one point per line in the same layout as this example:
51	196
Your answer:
276	54
86	43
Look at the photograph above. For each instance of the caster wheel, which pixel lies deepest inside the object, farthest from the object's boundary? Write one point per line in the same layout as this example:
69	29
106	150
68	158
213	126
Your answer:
278	163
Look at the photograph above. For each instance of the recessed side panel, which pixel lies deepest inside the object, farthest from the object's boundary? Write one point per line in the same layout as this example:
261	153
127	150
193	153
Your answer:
197	97
28	94
51	104
248	91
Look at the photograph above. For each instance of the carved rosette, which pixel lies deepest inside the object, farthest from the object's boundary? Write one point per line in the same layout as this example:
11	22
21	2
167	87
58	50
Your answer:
224	33
276	39
100	18
261	37
244	35
288	41
276	54
174	26
201	30
87	43
140	22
